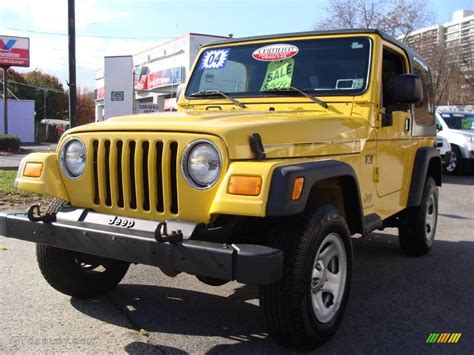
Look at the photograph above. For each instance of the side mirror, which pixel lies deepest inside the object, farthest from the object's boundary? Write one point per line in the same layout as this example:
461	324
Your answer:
179	90
407	89
438	127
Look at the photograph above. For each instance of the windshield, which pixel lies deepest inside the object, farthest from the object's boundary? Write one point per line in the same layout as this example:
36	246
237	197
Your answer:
463	121
323	67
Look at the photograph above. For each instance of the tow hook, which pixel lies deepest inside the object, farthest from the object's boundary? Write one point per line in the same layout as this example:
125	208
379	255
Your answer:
162	236
34	215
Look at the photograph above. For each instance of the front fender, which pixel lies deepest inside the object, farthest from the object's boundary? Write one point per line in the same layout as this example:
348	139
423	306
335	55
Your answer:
225	203
50	181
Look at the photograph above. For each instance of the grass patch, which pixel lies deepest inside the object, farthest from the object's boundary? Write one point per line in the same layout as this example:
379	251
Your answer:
13	199
7	178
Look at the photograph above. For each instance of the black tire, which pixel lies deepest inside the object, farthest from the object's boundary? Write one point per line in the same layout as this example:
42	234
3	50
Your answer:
456	165
79	275
417	228
288	304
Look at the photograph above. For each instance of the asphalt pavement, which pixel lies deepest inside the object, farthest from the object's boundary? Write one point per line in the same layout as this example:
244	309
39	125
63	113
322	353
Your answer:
10	161
396	301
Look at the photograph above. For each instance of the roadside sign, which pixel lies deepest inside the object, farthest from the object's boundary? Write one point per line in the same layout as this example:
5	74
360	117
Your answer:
145	108
14	51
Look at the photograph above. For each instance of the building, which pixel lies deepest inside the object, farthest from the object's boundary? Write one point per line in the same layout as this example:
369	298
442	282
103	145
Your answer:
456	38
156	74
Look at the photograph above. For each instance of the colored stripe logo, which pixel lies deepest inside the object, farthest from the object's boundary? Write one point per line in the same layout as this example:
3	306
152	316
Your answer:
7	46
443	338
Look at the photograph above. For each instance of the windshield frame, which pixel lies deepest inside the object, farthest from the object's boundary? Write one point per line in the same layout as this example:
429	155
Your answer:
269	94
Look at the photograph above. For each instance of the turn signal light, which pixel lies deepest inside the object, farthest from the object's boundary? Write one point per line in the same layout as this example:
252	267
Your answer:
297	188
245	185
33	169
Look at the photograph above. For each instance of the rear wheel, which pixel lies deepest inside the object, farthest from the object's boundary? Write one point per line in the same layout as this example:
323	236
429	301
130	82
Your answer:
79	275
306	306
417	227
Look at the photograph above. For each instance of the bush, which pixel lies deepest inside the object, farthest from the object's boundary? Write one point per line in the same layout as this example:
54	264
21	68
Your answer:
9	142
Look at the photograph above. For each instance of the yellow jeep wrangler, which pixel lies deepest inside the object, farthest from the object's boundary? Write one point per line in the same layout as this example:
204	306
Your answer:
283	147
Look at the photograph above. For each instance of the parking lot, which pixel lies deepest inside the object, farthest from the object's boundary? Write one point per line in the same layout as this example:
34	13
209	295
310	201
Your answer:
396	301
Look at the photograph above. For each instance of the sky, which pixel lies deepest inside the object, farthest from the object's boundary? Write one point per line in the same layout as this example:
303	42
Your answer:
121	27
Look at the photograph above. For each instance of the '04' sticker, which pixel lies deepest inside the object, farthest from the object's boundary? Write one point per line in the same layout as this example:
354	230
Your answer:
214	59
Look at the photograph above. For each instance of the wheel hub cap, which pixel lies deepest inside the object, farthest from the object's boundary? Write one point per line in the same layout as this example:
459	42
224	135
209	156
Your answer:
430	220
328	277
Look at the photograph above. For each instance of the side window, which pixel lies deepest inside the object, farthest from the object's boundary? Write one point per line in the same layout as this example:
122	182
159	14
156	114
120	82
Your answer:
424	110
392	66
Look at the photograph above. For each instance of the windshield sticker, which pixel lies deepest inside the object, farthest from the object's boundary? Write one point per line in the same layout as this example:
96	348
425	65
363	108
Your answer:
275	52
349	84
466	123
279	75
214	59
357	45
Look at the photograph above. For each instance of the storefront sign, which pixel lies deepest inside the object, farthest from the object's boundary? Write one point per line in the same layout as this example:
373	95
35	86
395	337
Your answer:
14	51
166	77
146	108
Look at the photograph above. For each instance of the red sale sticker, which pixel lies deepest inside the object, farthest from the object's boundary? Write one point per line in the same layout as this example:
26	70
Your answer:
274	52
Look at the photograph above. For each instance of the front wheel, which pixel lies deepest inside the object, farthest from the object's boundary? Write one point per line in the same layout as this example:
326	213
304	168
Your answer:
79	275
455	165
417	228
305	308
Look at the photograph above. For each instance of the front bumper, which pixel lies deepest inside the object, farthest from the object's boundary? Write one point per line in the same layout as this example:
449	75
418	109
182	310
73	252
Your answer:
88	232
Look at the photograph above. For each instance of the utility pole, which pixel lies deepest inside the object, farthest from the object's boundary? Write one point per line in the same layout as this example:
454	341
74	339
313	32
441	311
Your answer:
45	92
5	99
72	62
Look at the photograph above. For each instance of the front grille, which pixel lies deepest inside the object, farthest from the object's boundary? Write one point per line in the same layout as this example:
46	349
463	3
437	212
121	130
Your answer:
136	174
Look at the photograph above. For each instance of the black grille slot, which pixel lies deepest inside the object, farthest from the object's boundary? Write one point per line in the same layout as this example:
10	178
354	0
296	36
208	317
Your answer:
159	177
173	177
146	189
95	145
119	174
108	199
133	189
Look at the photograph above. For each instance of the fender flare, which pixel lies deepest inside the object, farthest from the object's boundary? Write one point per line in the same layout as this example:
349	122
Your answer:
427	162
279	200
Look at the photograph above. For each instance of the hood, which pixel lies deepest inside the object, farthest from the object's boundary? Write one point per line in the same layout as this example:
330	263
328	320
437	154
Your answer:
283	133
464	132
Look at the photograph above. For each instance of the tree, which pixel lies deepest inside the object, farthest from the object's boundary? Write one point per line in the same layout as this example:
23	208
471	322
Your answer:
396	17
85	106
51	104
452	85
15	87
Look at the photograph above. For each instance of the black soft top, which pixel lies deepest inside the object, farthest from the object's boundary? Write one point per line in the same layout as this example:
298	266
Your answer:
410	52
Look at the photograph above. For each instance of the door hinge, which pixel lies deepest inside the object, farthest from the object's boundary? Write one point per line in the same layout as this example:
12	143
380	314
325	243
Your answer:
376	174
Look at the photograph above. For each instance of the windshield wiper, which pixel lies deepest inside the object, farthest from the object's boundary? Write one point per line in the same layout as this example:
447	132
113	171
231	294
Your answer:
217	92
293	89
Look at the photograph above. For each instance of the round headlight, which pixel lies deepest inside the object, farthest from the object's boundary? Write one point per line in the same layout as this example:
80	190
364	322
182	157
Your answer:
201	164
73	158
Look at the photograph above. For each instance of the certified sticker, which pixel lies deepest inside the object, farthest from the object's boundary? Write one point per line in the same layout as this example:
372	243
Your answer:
275	52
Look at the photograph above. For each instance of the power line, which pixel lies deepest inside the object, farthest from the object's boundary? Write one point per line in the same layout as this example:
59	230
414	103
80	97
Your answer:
36	87
85	36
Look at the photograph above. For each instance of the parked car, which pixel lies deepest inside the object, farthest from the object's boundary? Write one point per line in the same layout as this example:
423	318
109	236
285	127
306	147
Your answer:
458	129
444	149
